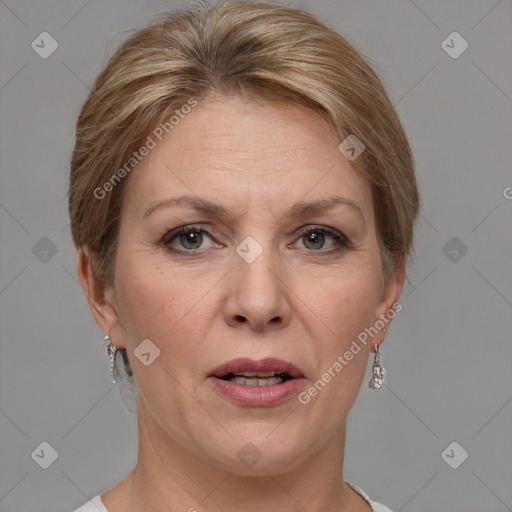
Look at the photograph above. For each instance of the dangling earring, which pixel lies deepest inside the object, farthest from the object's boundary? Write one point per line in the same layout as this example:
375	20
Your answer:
111	351
123	377
378	371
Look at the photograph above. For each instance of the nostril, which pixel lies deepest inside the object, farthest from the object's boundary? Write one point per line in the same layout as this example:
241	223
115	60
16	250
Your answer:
241	318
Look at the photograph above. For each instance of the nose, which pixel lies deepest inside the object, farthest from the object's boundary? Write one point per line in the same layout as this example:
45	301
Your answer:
257	294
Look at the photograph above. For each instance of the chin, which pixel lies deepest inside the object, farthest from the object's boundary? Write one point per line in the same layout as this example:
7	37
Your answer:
260	454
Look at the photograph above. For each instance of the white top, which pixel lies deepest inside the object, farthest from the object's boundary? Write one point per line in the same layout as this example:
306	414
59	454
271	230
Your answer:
96	505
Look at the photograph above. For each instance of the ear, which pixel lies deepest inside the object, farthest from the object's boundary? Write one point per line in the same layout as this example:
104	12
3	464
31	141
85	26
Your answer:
101	299
388	304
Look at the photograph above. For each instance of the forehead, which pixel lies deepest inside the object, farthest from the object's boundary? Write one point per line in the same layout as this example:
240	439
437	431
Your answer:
245	152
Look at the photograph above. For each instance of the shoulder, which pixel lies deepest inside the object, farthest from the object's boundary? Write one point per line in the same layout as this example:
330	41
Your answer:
95	505
376	507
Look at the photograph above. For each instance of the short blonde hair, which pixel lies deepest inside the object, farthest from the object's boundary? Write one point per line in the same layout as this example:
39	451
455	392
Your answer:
235	47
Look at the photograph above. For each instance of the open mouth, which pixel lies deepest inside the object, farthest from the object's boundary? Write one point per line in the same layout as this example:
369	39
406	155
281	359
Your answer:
257	383
255	379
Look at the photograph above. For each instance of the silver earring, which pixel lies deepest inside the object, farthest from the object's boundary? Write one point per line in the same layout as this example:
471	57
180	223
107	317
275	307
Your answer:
378	371
111	351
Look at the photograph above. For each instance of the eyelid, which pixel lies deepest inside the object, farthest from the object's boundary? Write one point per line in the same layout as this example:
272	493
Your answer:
340	239
324	229
174	233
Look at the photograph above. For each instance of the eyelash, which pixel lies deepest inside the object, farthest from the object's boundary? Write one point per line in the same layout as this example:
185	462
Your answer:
340	239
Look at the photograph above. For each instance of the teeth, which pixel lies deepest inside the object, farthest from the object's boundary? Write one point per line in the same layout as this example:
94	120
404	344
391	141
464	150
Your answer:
256	374
268	381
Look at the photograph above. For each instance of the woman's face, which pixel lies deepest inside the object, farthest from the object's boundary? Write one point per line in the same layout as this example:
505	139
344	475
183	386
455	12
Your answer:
277	258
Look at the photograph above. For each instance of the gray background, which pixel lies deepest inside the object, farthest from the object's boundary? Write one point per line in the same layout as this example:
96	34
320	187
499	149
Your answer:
448	353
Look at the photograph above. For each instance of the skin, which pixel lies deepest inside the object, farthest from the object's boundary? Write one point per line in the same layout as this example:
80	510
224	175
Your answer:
304	300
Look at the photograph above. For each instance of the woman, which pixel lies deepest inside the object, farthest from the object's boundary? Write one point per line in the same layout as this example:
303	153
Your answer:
242	198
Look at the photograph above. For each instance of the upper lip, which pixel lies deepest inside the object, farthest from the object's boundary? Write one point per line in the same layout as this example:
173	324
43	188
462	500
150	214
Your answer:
269	364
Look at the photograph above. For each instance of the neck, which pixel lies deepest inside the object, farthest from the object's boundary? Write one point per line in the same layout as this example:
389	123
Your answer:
172	475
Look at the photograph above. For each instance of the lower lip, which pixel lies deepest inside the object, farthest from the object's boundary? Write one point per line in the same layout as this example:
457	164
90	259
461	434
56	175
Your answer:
258	396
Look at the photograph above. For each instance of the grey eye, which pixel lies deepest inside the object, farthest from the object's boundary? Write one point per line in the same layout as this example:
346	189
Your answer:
314	238
191	239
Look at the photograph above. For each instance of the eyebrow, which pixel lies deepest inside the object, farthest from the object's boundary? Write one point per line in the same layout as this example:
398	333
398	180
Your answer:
298	209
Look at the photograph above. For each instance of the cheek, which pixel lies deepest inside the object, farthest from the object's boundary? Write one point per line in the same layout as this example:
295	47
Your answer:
169	308
341	310
346	310
155	305
346	303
